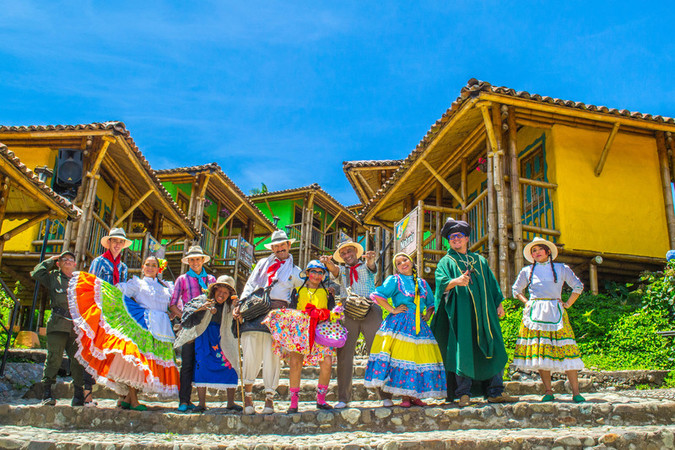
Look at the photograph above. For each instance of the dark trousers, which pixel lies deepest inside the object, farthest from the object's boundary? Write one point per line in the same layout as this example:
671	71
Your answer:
187	367
57	343
494	387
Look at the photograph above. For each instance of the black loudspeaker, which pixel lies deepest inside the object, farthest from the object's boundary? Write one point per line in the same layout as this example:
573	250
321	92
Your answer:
68	172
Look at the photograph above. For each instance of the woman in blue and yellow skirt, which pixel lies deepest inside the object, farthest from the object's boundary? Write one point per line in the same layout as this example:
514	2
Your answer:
405	359
546	340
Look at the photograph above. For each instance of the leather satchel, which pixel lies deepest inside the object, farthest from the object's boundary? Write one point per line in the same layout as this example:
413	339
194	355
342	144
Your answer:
257	304
356	307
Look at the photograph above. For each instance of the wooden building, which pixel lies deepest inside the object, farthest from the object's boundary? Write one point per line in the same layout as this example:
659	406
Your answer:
25	200
118	189
367	176
596	181
312	217
228	221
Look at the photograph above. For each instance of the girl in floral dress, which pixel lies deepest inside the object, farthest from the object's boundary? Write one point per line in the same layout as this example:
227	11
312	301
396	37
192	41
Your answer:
293	331
546	340
405	359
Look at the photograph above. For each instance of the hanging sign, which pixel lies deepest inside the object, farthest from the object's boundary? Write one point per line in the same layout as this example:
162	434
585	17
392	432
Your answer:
405	233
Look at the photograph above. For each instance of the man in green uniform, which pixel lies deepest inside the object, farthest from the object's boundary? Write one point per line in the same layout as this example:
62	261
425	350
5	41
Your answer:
466	323
54	274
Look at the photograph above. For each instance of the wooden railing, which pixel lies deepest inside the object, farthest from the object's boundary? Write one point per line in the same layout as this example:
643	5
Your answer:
320	241
208	239
55	236
98	229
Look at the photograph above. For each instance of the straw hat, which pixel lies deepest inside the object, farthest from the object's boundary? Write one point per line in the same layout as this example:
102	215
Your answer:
195	252
223	280
356	245
117	233
278	237
527	251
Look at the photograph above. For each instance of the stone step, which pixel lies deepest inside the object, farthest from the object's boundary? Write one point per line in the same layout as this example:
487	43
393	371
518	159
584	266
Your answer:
623	437
602	409
64	389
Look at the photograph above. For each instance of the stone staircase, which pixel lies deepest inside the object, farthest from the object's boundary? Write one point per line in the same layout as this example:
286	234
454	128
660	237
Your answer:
609	419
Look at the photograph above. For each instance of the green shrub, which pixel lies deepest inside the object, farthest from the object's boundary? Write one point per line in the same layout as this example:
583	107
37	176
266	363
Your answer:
658	292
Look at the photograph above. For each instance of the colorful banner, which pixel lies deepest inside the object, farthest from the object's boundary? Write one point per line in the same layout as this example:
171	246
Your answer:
246	253
155	247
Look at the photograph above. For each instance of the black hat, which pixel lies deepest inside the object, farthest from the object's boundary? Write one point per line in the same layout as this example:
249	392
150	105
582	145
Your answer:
455	226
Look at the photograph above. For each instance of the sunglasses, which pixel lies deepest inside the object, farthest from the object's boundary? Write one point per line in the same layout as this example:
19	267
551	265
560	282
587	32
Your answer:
455	236
69	260
316	272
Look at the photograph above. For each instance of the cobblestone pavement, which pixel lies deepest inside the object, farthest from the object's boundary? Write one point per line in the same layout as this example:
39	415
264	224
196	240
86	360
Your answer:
643	437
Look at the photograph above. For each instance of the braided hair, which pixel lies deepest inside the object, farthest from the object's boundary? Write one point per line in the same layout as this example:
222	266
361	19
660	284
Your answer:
414	274
550	260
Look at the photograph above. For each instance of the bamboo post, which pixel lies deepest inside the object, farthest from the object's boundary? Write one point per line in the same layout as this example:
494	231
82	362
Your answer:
67	236
463	187
666	180
310	225
115	200
85	221
420	238
439	222
498	179
593	275
516	200
4	199
492	213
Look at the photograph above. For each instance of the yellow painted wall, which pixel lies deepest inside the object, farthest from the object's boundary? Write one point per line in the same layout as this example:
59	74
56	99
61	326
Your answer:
32	158
623	210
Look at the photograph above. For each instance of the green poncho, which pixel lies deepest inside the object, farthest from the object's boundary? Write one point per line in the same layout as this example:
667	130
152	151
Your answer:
466	325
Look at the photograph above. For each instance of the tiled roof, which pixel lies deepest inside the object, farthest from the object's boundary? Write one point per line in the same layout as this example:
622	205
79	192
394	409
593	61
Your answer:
119	128
371	163
473	89
215	168
311	187
72	210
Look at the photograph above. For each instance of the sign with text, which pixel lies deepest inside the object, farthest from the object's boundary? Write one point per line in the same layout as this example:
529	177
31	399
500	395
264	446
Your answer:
405	233
245	253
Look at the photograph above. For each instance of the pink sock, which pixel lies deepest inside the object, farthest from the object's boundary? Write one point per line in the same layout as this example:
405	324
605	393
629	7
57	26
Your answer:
321	391
294	397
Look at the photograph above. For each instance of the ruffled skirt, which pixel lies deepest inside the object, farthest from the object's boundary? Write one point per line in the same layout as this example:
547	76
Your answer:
115	347
542	349
290	333
404	363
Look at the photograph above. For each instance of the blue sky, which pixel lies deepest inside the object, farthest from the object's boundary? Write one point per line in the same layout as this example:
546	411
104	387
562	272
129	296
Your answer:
283	92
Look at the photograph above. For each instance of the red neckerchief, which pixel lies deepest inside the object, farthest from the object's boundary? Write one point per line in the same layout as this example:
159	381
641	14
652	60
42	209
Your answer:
272	270
115	262
353	274
316	315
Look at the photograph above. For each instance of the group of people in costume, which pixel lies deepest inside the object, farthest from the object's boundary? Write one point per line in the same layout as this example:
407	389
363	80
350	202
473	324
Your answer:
445	343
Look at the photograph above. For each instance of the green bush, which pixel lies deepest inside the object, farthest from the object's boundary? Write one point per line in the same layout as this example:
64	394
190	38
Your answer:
658	292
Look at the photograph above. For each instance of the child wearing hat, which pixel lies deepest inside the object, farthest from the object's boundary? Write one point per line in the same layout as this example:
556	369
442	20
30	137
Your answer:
207	323
109	266
293	332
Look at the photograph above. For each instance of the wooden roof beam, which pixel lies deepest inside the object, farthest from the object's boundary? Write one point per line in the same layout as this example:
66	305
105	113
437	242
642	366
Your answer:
37	218
366	186
445	184
605	150
93	172
230	217
133	207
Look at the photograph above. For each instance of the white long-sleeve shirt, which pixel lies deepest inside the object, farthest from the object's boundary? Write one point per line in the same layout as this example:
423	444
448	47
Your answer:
542	281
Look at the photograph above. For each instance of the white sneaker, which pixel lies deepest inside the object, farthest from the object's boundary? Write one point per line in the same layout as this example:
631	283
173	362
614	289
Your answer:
340	405
387	403
268	410
249	410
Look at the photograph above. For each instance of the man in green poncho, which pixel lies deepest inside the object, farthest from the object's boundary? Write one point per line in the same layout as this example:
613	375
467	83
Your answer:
466	323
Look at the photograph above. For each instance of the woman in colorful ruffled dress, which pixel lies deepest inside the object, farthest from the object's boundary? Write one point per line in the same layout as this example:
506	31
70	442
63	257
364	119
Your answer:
124	334
207	321
293	332
546	340
405	359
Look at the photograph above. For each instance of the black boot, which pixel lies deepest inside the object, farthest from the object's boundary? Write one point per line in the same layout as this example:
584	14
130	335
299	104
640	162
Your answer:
78	397
47	396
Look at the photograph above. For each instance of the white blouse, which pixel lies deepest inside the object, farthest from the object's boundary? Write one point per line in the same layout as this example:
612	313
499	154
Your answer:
543	285
154	298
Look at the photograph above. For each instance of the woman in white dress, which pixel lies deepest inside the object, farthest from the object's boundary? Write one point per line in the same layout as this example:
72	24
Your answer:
124	334
546	340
